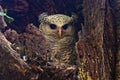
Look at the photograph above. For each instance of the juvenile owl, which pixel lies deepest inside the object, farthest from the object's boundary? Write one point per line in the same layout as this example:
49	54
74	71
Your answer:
59	32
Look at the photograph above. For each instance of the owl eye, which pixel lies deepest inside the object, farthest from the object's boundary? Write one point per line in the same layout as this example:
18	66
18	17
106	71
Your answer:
52	26
65	27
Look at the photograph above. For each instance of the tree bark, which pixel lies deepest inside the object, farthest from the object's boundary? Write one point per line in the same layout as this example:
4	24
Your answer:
93	57
116	7
96	47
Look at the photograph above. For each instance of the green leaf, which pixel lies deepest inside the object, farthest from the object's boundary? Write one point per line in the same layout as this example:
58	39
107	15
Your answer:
9	19
2	14
5	11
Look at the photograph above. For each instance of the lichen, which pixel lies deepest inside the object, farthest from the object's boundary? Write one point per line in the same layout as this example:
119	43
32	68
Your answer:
82	74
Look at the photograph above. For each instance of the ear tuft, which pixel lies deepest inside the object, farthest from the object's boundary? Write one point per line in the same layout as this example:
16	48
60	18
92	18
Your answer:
42	17
74	17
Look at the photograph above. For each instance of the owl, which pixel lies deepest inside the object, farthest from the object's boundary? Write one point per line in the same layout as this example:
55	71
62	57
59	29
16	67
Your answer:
60	34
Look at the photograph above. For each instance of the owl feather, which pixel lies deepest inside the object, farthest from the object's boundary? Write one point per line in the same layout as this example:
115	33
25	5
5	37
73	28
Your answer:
42	17
62	50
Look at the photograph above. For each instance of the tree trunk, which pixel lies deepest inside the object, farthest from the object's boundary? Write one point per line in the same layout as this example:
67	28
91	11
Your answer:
96	47
116	7
95	56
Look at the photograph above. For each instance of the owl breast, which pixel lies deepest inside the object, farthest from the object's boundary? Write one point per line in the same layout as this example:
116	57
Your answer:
62	50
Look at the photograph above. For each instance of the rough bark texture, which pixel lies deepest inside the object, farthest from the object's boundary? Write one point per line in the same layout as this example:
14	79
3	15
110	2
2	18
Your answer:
116	7
24	53
94	56
2	22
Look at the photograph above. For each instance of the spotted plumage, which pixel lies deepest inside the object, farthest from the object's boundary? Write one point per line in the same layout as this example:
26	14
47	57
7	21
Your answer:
59	32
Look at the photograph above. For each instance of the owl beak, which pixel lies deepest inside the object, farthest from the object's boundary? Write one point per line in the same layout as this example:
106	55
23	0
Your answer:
59	32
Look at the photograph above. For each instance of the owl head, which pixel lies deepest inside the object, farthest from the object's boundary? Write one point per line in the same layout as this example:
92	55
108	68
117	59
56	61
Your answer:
58	25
